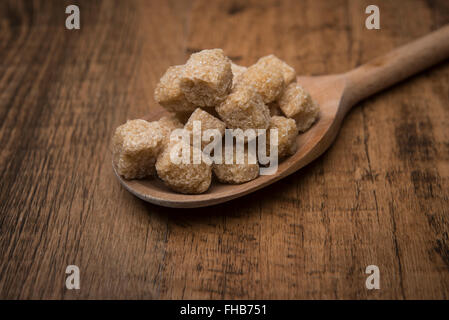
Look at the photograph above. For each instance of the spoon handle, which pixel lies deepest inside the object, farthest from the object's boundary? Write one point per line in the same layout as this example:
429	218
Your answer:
397	65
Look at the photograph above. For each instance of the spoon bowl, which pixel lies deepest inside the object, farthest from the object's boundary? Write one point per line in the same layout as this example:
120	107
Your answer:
325	90
335	94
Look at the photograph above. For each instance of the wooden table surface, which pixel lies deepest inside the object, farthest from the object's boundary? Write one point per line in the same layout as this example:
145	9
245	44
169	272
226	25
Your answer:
378	196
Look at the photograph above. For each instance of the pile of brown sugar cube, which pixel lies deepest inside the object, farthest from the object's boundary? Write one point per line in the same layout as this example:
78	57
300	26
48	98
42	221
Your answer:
219	94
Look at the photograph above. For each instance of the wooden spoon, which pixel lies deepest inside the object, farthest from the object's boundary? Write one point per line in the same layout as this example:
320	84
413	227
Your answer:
336	94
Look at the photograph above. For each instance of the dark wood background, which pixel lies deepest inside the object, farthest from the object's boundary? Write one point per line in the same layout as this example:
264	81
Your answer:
379	196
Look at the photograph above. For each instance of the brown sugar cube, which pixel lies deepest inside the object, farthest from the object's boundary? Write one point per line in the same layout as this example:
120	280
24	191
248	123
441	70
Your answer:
267	80
288	72
207	78
287	133
207	121
135	147
188	178
244	109
168	91
296	103
235	173
237	72
168	124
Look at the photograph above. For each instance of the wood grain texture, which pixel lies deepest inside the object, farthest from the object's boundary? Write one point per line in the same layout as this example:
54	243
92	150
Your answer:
379	196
